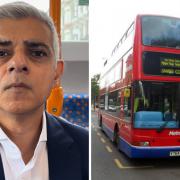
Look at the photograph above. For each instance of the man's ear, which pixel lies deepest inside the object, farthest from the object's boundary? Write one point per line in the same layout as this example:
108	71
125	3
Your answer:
59	69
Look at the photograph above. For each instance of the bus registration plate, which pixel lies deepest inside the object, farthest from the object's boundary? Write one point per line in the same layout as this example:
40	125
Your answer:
174	153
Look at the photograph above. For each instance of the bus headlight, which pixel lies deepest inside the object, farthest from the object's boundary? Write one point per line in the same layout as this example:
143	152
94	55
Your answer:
146	143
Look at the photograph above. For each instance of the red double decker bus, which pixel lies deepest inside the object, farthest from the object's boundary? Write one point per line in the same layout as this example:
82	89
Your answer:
140	89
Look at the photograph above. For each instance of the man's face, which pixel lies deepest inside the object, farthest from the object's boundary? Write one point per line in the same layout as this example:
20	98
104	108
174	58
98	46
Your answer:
27	65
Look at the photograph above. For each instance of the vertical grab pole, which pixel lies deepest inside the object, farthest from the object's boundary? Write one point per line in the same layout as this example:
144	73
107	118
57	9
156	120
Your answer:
55	101
55	13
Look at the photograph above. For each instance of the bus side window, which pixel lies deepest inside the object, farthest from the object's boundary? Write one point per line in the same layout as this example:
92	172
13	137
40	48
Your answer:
114	103
102	102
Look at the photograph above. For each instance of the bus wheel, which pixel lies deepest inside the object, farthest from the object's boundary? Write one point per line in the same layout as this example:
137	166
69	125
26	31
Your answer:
100	122
116	137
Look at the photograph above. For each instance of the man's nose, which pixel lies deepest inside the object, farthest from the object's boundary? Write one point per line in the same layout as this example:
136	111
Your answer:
18	63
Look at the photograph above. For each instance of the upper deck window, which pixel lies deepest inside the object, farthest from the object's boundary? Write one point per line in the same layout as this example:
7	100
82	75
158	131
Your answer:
161	31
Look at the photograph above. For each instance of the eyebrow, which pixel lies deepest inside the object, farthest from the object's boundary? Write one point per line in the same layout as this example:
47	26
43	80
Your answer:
36	44
5	42
28	43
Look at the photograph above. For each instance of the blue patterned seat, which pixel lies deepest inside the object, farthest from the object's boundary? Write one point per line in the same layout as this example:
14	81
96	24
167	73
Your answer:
76	109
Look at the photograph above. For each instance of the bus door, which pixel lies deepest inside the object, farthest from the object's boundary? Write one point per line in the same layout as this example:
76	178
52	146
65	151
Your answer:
126	113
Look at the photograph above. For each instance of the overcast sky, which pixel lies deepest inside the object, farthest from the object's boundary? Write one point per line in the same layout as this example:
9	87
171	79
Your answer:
110	18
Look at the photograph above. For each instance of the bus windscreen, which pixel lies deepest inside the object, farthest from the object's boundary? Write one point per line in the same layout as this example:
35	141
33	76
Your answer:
161	31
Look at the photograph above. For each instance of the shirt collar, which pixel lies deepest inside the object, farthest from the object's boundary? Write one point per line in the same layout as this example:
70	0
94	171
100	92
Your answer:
43	135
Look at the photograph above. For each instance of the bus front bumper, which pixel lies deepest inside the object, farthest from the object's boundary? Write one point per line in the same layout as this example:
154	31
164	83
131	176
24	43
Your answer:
148	152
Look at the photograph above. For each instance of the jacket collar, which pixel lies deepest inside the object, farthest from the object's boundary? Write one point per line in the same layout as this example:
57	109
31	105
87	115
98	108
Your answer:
2	176
63	154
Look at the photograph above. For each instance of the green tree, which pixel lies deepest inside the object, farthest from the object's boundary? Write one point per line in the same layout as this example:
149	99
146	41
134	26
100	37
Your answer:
94	89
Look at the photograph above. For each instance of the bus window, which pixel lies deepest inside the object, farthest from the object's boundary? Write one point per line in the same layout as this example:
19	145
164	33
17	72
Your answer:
102	102
165	31
114	103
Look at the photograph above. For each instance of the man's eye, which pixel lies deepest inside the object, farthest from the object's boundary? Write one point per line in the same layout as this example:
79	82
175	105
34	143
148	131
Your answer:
3	53
38	53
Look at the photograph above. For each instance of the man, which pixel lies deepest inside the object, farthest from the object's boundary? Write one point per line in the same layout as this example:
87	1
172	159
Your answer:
33	144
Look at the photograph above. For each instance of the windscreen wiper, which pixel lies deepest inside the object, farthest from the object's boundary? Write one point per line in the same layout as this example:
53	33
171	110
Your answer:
162	127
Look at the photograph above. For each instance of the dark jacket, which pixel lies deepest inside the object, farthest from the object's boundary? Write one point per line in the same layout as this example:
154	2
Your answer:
68	149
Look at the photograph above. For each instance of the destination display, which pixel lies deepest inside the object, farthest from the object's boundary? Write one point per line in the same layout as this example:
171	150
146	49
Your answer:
161	64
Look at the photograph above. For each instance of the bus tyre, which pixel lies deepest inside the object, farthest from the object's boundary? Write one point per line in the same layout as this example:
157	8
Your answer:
116	138
100	122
